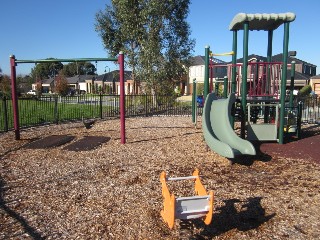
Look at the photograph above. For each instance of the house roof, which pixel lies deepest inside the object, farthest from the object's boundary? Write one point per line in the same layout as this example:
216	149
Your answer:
197	60
261	21
74	79
278	58
114	75
200	60
80	78
315	77
251	57
47	81
297	76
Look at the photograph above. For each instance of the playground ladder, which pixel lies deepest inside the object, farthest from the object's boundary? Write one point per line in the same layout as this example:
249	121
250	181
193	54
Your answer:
200	206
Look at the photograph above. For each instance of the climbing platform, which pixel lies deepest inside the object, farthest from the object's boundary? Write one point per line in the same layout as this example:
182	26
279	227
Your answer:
263	131
190	207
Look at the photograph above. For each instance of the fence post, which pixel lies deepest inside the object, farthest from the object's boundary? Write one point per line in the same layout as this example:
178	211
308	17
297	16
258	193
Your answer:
146	104
55	113
299	120
100	95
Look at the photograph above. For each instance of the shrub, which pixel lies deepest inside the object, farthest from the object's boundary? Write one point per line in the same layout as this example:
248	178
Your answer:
305	91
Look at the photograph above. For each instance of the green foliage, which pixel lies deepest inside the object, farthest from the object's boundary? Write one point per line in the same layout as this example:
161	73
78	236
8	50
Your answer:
154	35
72	69
220	89
200	88
5	86
46	70
305	91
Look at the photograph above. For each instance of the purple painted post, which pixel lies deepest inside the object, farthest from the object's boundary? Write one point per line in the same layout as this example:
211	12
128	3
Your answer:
14	97
122	99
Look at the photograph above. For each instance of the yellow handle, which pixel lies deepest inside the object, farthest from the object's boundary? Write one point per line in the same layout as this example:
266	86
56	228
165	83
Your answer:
223	54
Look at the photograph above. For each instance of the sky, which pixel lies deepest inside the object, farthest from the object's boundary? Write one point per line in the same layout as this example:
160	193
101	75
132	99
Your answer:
40	29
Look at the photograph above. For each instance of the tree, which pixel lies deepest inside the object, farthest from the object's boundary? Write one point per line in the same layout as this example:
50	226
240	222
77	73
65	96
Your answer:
46	70
78	68
5	86
39	88
61	86
154	36
71	69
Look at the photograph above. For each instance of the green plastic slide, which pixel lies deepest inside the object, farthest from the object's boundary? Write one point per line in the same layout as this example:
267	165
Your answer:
217	131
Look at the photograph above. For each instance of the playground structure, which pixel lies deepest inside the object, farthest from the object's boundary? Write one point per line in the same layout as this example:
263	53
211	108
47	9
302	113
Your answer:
14	62
260	88
192	207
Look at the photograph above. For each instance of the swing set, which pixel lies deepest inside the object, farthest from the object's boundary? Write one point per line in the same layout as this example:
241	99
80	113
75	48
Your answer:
14	62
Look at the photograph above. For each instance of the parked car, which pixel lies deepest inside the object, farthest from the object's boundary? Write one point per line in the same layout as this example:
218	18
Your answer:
32	92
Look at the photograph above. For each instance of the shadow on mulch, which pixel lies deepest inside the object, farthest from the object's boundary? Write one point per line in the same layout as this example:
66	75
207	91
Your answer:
16	217
87	143
248	160
50	142
227	217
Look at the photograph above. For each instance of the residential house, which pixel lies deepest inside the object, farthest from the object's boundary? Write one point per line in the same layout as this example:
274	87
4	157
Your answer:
196	71
78	83
47	85
315	84
256	69
304	71
110	83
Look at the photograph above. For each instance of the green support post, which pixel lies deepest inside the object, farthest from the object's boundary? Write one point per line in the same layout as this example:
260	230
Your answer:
283	81
234	69
234	62
269	56
206	73
293	70
194	101
225	87
244	75
268	82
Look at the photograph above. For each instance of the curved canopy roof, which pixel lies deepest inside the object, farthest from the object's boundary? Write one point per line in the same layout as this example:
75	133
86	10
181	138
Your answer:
261	21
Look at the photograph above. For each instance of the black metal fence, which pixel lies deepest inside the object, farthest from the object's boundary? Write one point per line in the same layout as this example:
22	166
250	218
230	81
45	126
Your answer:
310	109
43	110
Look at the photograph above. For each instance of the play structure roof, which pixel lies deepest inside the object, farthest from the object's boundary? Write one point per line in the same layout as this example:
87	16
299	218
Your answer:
261	21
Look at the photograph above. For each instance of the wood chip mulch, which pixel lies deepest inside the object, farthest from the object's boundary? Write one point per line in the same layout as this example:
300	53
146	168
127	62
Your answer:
113	191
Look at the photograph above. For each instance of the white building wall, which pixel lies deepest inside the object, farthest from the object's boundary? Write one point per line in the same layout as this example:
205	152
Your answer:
83	86
196	72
